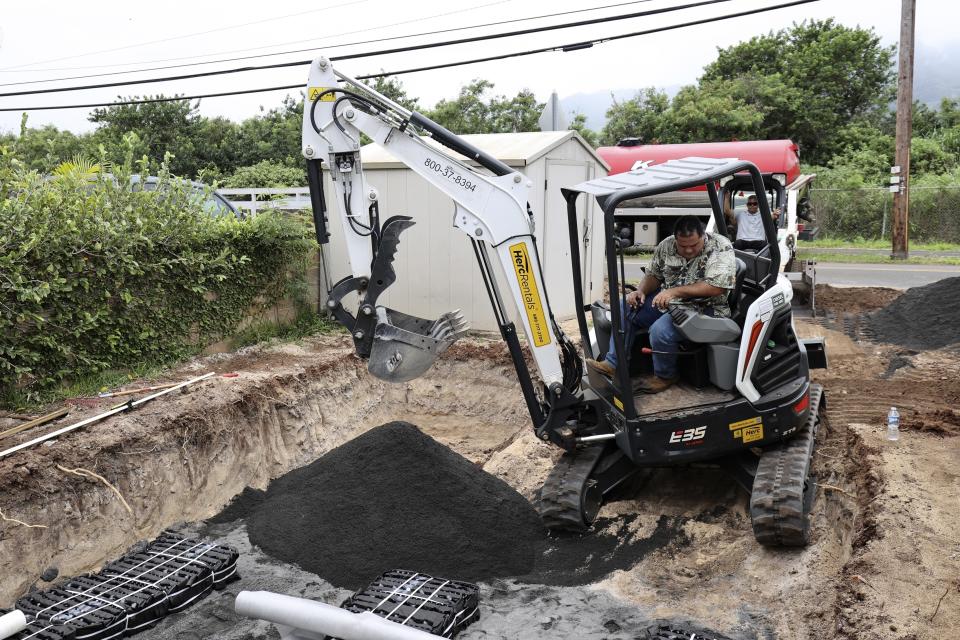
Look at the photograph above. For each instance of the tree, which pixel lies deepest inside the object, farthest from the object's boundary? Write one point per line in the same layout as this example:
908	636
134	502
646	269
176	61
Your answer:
163	127
519	113
638	117
579	124
45	148
468	113
925	120
928	156
835	75
711	113
266	174
392	88
472	112
274	136
218	147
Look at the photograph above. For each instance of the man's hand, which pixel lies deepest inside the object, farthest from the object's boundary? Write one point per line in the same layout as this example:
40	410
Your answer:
776	213
636	298
664	298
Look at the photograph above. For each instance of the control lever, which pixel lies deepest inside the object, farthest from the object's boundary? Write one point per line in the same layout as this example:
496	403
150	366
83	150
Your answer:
648	351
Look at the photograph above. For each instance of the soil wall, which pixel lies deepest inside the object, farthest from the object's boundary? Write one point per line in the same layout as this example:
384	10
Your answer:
182	457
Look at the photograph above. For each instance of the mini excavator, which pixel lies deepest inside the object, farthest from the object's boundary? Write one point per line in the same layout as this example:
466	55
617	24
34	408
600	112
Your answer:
746	401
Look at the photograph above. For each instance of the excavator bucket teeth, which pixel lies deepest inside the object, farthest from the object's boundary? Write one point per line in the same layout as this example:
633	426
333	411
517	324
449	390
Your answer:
405	346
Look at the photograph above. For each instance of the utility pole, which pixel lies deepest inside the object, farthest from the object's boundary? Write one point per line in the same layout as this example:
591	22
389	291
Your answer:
901	188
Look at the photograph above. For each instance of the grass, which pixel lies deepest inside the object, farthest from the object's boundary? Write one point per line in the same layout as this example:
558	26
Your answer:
23	401
306	324
820	250
860	243
877	258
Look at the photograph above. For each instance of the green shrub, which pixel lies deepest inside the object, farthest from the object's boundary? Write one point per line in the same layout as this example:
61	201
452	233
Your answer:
266	174
94	276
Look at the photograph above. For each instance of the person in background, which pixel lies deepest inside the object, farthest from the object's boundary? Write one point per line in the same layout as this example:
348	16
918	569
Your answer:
750	232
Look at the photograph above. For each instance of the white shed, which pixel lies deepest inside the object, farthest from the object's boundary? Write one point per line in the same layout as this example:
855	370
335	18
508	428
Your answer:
435	264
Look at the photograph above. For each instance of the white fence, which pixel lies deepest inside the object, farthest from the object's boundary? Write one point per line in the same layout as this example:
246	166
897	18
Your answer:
255	200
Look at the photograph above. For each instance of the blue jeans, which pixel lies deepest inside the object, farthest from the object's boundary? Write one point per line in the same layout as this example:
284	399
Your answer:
663	336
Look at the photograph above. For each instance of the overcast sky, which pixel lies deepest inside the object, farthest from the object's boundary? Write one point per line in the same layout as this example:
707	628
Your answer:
41	39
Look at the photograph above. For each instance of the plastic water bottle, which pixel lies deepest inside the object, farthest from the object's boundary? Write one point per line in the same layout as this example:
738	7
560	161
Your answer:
893	424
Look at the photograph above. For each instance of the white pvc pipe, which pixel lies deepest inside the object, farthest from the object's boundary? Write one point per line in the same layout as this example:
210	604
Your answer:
125	406
13	622
321	618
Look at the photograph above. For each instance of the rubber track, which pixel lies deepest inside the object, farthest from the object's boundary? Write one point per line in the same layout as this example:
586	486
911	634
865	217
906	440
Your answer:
777	500
559	501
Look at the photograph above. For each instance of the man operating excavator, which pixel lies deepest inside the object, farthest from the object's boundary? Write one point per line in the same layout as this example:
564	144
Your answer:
691	267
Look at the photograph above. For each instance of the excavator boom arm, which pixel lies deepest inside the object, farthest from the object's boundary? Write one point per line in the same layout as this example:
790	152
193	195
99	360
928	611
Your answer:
490	209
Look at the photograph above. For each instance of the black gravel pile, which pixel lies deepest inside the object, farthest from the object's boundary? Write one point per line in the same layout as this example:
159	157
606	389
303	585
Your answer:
925	317
394	498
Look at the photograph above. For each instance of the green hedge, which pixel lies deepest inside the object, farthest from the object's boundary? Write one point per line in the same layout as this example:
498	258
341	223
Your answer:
94	276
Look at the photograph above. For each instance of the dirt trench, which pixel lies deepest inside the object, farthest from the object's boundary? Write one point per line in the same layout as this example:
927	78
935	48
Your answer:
184	456
883	549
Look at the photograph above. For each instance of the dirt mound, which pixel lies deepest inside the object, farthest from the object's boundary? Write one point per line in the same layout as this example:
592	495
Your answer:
396	498
392	498
854	299
922	318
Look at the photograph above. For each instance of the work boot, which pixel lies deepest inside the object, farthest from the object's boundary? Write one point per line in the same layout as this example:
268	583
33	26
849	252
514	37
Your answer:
656	384
643	380
602	367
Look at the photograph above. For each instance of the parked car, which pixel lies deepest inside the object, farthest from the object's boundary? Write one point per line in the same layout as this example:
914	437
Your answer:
214	203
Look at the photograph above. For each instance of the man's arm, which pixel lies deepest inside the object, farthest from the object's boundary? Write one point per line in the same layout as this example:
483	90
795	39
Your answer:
698	289
648	285
653	276
728	208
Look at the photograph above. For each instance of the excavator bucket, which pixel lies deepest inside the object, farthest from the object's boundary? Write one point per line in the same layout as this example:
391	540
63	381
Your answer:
405	346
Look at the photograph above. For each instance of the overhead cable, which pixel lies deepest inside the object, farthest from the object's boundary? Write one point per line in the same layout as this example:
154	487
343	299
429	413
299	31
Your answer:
197	62
565	48
182	37
368	54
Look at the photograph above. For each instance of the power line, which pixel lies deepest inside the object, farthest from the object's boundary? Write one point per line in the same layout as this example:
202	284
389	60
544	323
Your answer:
565	48
586	44
432	45
185	36
197	62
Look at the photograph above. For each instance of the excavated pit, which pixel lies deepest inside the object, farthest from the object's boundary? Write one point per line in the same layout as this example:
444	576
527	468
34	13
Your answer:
184	457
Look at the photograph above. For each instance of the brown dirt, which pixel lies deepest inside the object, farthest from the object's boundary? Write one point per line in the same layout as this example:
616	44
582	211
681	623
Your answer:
854	299
945	422
884	551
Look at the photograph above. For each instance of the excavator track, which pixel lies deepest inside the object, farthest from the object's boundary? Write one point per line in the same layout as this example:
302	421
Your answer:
569	499
783	489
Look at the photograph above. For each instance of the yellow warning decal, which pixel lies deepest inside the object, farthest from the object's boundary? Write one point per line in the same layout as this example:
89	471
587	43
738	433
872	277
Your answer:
530	294
313	92
617	402
746	423
753	433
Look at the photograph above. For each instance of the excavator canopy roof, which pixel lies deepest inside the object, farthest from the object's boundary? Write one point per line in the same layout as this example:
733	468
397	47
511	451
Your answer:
672	175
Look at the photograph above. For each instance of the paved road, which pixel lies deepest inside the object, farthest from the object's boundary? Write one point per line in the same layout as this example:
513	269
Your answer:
861	275
884	275
880	252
